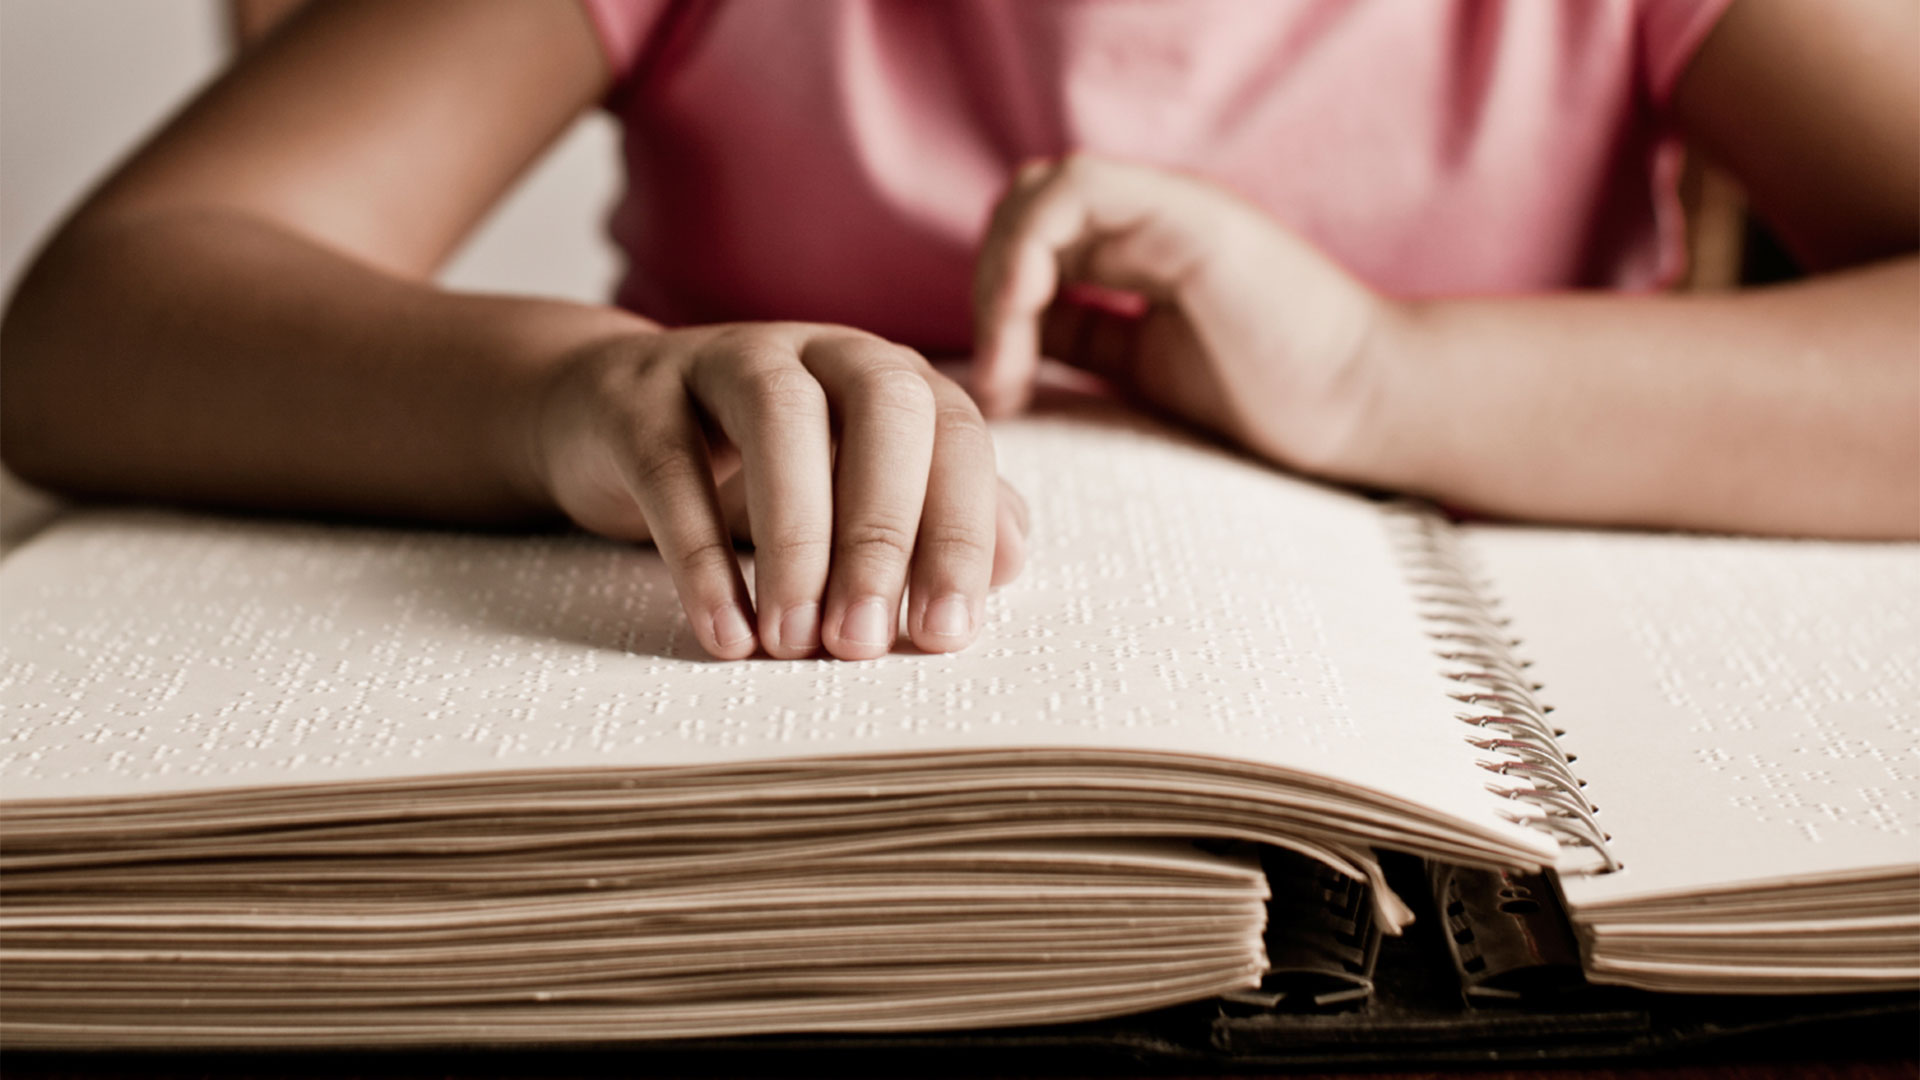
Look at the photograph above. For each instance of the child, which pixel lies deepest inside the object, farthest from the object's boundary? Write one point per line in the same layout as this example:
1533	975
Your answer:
244	312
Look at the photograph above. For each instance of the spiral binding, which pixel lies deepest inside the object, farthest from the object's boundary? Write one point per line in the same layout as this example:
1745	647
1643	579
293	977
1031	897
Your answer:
1511	723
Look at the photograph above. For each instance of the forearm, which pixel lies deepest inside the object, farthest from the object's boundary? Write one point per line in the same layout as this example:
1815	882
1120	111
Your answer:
210	356
1793	409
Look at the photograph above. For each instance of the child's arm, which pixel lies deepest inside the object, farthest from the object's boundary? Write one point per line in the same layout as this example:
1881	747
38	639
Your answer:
243	314
1793	409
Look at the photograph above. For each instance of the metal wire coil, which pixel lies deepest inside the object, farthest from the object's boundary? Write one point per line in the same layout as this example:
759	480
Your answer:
1472	641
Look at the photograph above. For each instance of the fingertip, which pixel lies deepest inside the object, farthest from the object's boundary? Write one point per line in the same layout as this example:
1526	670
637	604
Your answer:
729	633
864	630
791	633
948	623
1001	380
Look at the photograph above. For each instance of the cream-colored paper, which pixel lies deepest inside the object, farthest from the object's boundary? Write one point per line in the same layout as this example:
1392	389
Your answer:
1746	715
1180	601
272	783
275	783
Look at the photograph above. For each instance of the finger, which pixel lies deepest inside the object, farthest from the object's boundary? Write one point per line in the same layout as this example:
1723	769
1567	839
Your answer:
1120	226
733	507
1012	526
1007	280
1091	338
753	384
887	415
952	564
664	465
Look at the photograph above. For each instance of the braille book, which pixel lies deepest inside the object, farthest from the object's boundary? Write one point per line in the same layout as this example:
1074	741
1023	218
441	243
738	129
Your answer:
280	783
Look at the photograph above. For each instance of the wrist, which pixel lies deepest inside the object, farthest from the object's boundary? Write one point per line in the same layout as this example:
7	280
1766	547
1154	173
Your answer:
1325	403
547	401
1391	394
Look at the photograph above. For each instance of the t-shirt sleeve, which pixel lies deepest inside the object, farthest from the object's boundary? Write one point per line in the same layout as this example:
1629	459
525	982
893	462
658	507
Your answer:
625	27
1670	33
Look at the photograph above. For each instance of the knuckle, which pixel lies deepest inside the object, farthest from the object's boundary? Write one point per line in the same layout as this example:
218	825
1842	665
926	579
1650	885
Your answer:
746	357
871	351
958	425
909	357
785	389
956	544
877	540
703	555
959	418
964	440
741	351
658	381
899	390
797	548
612	384
770	382
839	333
659	465
735	339
826	338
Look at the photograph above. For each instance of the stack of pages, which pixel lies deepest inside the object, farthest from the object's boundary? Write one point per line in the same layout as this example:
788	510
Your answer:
274	783
566	935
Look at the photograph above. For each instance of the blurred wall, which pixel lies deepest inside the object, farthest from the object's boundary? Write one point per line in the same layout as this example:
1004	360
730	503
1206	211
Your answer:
83	81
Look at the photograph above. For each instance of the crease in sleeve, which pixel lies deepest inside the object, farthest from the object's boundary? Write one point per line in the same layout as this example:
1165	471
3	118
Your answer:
1671	32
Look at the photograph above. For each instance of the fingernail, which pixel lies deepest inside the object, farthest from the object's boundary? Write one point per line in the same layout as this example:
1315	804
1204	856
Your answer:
866	623
800	627
730	627
950	616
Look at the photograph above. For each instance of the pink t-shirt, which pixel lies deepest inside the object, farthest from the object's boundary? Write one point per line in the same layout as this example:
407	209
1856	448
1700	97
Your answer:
836	160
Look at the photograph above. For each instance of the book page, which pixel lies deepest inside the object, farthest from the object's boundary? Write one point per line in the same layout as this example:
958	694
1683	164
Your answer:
1742	710
1178	599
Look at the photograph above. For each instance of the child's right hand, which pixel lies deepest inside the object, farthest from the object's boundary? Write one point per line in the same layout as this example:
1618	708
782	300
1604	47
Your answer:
865	472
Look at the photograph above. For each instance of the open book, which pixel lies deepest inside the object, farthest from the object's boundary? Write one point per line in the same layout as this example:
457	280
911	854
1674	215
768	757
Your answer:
274	783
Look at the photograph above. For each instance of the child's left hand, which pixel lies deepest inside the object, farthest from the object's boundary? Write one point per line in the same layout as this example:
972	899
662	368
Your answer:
1248	331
